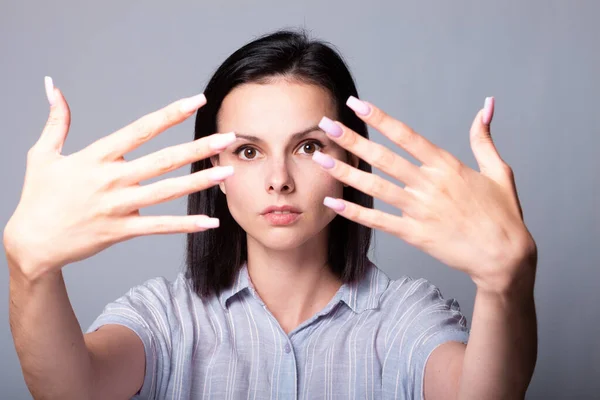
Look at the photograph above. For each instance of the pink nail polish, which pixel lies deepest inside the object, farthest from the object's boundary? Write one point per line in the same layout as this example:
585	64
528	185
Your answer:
323	160
217	174
208	223
193	103
488	110
334	204
358	106
221	141
49	85
330	127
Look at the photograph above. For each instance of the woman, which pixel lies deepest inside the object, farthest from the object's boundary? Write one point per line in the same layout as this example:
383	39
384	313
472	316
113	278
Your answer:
279	299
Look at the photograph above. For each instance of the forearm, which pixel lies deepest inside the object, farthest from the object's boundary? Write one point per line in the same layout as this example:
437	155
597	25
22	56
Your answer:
48	339
501	353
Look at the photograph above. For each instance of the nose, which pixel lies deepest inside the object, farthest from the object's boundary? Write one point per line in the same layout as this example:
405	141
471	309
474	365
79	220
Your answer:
279	179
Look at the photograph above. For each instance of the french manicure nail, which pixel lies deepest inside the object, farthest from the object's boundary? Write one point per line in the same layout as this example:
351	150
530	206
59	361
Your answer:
193	103
221	141
208	223
49	85
217	174
323	160
358	106
334	204
330	127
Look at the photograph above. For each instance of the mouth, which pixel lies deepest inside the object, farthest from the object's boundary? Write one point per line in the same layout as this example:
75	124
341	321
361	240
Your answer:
281	216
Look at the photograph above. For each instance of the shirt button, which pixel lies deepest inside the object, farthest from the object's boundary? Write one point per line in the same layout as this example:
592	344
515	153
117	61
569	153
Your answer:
287	348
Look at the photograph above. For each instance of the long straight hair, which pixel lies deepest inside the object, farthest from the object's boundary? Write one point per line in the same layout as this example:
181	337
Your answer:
214	257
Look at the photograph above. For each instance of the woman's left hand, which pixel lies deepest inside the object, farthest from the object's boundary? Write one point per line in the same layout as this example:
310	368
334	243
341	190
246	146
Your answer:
469	220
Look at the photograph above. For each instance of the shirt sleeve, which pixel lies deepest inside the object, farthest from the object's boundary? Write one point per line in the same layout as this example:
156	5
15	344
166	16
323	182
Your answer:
422	320
145	309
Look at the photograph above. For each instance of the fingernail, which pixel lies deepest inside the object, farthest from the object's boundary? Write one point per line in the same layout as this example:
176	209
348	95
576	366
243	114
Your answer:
330	127
323	160
334	204
208	223
217	174
486	117
49	90
192	103
222	140
358	106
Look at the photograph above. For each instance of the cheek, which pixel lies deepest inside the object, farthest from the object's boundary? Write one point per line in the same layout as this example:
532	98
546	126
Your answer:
240	191
239	183
320	184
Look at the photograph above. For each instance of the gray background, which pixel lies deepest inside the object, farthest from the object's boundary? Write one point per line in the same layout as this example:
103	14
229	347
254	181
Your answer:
430	64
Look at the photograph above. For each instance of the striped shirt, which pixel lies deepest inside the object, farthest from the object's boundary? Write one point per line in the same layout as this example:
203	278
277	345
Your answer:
371	341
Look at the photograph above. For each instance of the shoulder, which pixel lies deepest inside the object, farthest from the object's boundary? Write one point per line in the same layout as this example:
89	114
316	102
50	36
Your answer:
416	293
409	303
156	303
157	292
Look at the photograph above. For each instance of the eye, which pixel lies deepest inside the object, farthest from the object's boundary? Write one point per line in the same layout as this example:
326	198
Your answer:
309	147
246	153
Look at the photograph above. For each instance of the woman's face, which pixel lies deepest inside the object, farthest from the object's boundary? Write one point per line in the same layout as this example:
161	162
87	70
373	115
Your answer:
277	133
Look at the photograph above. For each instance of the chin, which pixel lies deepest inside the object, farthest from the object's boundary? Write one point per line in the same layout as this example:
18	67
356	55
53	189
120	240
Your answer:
281	238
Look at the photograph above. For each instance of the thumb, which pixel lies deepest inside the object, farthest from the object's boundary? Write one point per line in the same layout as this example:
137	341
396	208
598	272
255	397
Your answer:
487	156
57	127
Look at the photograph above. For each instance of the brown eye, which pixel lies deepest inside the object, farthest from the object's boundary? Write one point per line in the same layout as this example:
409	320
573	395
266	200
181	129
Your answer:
311	147
249	153
246	153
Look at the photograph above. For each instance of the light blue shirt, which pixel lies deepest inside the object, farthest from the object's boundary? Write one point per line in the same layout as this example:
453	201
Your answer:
371	341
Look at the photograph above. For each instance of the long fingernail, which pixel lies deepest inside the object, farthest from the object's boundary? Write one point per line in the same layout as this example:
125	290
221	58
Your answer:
192	103
334	204
217	174
330	127
208	223
486	117
358	106
323	160
222	140
49	84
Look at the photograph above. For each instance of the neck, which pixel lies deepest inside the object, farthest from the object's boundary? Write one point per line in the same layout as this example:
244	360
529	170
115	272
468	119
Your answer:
293	284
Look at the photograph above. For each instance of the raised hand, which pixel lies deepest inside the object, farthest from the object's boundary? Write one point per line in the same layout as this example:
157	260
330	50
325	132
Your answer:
74	206
469	220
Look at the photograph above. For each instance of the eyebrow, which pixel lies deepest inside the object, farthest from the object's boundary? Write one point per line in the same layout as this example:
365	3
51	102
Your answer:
294	137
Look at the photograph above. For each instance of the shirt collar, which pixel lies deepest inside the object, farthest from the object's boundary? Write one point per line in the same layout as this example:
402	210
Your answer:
241	282
358	296
366	293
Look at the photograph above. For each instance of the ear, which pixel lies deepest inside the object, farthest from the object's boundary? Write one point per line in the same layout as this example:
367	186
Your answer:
214	160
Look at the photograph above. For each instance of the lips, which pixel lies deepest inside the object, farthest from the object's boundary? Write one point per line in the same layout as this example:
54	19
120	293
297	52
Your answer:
281	215
281	210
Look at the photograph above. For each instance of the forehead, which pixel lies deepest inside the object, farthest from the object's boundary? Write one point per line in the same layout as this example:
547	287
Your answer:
277	107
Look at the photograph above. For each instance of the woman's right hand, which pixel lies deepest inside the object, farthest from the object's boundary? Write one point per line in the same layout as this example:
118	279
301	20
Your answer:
74	206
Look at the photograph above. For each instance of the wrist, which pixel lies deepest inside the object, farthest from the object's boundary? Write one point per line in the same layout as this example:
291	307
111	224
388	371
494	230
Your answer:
28	271
23	264
520	282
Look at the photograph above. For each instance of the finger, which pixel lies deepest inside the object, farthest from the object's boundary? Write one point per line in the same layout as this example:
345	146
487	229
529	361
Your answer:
485	152
488	158
153	225
132	136
368	183
57	126
136	197
373	153
171	158
398	132
369	217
